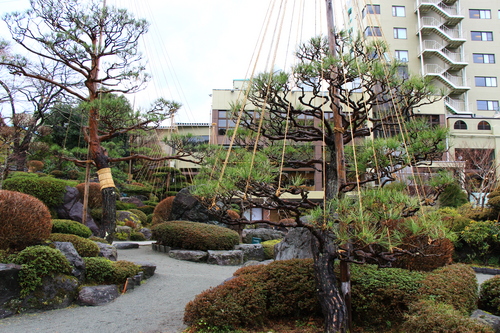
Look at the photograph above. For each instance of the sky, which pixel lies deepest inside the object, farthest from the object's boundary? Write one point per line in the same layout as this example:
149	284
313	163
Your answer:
195	46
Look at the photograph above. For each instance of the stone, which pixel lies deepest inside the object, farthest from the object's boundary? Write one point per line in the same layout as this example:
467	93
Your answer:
186	207
147	268
74	259
72	209
295	245
225	258
125	245
97	295
107	251
251	251
55	293
487	319
263	233
255	262
146	232
189	255
132	200
123	229
9	286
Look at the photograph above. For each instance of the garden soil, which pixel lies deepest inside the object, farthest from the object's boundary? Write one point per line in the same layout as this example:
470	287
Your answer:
157	306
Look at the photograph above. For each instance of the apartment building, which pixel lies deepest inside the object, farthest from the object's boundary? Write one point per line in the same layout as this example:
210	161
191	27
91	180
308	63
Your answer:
456	43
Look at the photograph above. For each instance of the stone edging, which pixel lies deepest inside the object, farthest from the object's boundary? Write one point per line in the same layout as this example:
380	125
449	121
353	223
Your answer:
486	270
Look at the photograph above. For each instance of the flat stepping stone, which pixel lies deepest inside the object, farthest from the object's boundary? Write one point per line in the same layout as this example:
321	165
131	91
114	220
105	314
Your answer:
125	246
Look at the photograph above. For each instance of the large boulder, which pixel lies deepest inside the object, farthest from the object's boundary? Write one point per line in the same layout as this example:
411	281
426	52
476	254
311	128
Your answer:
225	258
107	251
132	200
295	245
263	234
146	232
189	255
186	207
148	269
488	319
9	287
251	252
72	209
97	295
55	293
73	257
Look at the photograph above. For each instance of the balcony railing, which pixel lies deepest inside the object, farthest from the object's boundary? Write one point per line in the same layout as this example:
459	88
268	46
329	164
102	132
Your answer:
451	57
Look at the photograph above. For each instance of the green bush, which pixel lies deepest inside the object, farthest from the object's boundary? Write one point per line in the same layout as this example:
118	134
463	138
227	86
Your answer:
140	214
483	237
382	295
98	270
455	285
489	299
453	196
49	190
431	316
38	262
148	209
98	239
24	220
85	247
104	271
194	236
268	247
137	236
71	227
120	205
283	288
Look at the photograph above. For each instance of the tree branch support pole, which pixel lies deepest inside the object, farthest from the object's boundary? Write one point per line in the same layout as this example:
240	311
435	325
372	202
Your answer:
345	274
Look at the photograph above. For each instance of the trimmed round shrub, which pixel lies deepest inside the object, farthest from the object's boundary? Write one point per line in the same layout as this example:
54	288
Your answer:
25	220
381	295
122	270
455	285
434	253
95	195
148	209
431	316
49	190
98	270
194	236
140	214
98	239
163	210
137	236
71	227
38	262
268	247
120	205
85	247
489	299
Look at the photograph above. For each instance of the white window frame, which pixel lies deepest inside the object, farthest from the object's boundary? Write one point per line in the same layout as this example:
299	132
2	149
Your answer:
490	105
402	55
487	58
399	11
484	14
400	33
484	36
489	81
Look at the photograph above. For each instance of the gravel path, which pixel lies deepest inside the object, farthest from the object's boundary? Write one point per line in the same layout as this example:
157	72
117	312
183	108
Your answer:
155	306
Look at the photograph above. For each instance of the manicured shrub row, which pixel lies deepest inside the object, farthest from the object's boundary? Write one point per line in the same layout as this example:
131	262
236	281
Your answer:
162	211
100	270
71	227
21	226
282	288
379	296
194	236
85	247
49	190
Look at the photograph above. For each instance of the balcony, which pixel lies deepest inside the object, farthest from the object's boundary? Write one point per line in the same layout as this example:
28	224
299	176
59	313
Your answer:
452	36
455	83
449	12
453	59
456	106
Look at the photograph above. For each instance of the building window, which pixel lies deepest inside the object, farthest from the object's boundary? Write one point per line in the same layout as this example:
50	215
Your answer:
485	36
371	9
479	13
402	55
485	81
483	105
224	122
400	33
460	125
398	11
484	126
483	58
373	31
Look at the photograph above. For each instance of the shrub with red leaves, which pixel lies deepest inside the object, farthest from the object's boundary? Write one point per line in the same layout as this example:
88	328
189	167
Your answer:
95	195
162	210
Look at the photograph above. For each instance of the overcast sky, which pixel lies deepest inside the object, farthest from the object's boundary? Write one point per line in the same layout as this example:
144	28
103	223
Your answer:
196	46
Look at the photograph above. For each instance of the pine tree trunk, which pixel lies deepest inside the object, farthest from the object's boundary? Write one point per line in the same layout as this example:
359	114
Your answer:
329	295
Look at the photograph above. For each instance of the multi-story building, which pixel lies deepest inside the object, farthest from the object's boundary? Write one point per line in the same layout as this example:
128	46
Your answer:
455	42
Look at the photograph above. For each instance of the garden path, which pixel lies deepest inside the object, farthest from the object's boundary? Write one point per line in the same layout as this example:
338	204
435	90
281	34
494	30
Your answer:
157	306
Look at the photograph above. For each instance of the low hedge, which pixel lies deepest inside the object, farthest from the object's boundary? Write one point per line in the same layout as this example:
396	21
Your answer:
85	247
489	299
194	236
99	270
70	227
